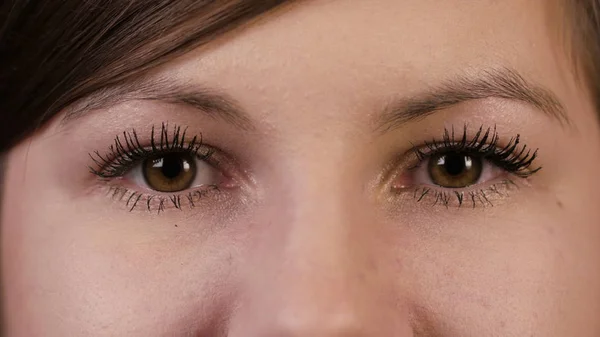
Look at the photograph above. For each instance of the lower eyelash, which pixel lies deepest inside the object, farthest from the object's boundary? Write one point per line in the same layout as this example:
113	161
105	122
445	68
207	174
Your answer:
127	151
151	202
483	197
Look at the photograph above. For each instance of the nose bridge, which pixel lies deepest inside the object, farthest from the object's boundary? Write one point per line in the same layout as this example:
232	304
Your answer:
325	252
317	270
325	238
319	208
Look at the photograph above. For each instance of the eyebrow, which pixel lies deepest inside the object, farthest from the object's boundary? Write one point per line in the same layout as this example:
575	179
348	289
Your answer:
502	83
209	101
496	83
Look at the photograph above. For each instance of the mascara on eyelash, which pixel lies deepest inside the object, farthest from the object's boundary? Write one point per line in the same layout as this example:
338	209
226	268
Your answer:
482	196
127	150
159	203
512	158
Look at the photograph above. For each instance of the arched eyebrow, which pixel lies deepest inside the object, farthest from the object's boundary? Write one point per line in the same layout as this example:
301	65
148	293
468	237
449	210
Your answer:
209	101
502	83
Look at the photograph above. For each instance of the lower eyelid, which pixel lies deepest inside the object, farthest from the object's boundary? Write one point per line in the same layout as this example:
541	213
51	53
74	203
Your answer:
487	194
134	200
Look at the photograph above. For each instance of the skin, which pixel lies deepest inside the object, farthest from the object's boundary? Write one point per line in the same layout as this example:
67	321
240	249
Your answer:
309	238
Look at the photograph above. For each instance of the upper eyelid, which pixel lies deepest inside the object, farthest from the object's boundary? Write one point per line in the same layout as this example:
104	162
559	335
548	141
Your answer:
510	155
484	140
127	148
519	166
124	163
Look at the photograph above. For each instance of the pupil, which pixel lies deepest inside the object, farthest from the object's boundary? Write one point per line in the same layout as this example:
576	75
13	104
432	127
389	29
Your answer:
172	166
455	164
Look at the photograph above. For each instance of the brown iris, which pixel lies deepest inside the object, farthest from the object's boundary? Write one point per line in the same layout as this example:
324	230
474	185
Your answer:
170	173
454	170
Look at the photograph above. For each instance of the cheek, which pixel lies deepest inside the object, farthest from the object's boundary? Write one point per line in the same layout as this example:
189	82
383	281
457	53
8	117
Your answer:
74	268
539	258
95	273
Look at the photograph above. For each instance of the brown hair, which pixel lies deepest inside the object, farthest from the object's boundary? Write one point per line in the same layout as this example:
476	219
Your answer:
583	31
53	53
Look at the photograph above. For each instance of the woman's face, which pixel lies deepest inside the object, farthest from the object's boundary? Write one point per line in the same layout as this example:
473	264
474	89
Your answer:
360	168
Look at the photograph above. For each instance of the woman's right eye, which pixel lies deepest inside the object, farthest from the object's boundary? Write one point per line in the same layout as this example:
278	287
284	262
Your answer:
173	172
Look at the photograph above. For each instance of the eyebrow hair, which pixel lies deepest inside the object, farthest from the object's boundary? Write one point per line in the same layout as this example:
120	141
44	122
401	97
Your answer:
211	102
496	83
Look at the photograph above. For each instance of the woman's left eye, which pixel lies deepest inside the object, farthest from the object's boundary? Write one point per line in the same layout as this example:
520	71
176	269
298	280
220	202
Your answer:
467	168
455	170
173	172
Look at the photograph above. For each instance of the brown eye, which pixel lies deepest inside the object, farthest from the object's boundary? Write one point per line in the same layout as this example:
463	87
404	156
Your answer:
455	170
169	173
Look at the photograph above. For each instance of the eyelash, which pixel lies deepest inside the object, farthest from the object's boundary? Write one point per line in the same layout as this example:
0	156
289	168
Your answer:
479	196
516	160
122	157
127	151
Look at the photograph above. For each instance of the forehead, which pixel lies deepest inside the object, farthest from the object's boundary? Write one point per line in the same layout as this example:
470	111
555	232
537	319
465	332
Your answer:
344	55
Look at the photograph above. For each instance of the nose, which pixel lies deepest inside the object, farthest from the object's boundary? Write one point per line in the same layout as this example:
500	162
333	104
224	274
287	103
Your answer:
318	270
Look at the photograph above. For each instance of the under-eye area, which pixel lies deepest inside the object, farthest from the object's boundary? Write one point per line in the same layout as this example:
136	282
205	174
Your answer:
479	197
